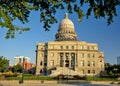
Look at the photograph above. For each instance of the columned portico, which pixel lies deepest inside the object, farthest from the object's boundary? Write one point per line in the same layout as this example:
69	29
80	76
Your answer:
67	60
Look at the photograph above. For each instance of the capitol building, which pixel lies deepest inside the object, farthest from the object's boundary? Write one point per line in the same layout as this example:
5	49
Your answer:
67	55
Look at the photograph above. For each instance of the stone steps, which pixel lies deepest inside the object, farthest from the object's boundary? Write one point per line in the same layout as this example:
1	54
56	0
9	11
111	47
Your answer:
63	71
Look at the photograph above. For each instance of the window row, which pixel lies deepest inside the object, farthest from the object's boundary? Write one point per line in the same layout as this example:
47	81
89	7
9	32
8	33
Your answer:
82	47
82	55
88	55
88	71
92	63
67	47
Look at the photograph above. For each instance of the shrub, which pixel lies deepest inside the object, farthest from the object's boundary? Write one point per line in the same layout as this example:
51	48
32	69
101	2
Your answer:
89	78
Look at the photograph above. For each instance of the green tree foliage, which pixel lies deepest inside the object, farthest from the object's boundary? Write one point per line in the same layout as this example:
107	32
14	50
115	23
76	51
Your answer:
112	69
3	64
11	10
17	68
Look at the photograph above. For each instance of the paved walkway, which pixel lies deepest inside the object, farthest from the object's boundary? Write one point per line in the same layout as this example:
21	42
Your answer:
52	83
26	84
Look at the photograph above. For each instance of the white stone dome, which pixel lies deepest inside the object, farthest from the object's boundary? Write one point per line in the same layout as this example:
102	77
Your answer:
66	23
66	30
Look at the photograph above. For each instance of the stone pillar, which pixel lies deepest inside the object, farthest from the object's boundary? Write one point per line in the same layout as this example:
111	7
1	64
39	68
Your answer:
69	60
64	58
76	59
58	60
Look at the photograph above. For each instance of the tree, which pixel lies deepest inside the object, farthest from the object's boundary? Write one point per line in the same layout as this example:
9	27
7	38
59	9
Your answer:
112	69
3	64
17	68
11	10
108	67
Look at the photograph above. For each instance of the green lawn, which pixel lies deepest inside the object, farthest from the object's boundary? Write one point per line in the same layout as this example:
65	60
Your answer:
30	77
33	77
100	79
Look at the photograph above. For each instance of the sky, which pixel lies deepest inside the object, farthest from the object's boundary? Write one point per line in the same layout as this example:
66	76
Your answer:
90	30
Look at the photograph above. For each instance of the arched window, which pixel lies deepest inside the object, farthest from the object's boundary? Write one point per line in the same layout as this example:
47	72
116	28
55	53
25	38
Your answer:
72	47
67	47
41	63
41	71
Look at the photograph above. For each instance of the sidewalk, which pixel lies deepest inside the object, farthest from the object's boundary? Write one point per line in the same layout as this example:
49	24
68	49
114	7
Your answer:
56	83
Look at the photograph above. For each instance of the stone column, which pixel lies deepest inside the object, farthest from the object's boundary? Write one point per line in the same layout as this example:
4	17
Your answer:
76	59
58	60
64	59
69	60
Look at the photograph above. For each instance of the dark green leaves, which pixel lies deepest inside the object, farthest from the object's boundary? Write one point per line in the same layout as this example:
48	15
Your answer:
11	10
3	64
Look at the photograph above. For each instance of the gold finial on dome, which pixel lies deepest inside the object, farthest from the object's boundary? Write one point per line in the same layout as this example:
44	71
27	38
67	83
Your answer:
66	16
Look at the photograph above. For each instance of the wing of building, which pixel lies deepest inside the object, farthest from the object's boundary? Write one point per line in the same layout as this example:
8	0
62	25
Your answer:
68	56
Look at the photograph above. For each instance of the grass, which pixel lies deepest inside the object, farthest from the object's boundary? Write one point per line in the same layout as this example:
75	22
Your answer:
100	79
31	77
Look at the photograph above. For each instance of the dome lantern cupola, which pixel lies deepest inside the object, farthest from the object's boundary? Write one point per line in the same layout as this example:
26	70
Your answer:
66	30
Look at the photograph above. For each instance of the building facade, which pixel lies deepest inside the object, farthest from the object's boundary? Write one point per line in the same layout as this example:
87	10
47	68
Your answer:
68	56
24	62
21	59
26	65
118	60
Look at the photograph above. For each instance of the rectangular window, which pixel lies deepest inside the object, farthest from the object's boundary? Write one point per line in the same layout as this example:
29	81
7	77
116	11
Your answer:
66	54
88	71
73	63
72	54
61	47
52	54
92	47
72	60
61	54
88	55
93	63
88	63
82	47
92	55
61	60
52	47
61	63
82	55
82	63
52	62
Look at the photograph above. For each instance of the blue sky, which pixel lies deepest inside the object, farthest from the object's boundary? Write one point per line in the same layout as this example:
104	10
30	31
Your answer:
90	30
